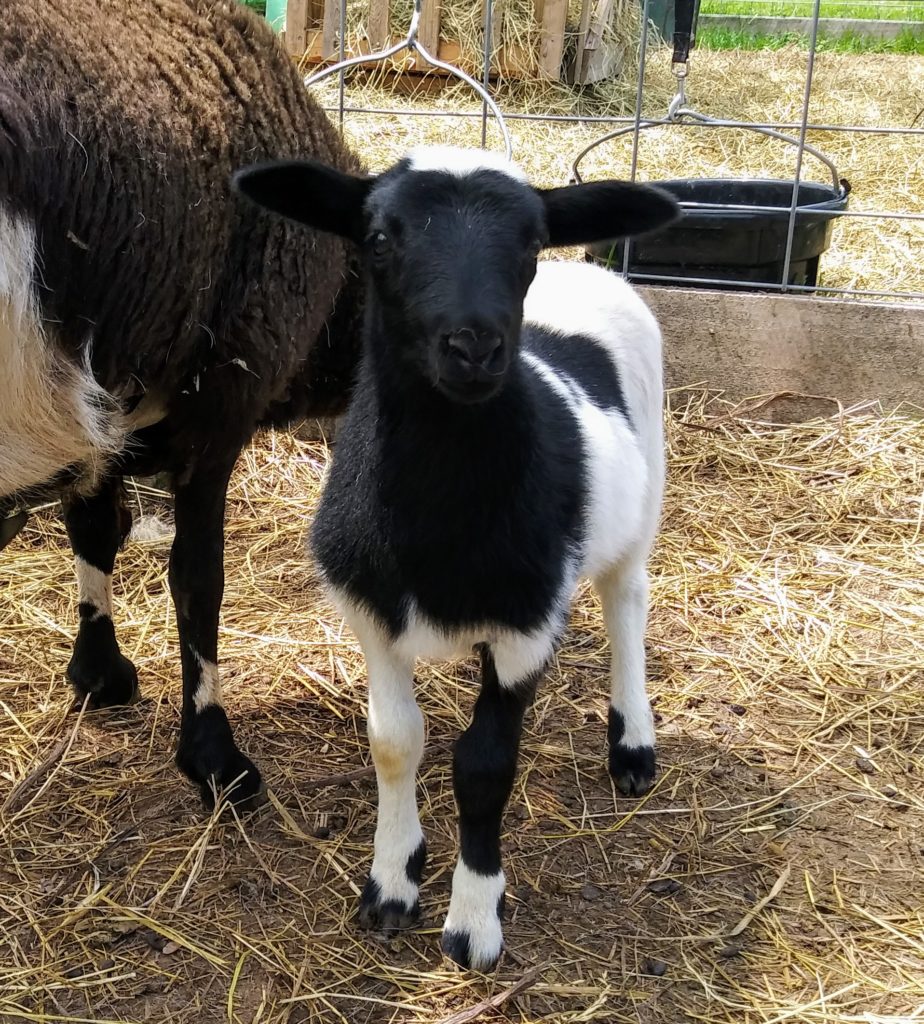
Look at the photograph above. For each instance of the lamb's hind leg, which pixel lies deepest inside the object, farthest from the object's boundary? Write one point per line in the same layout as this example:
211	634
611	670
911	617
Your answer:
396	739
97	527
624	593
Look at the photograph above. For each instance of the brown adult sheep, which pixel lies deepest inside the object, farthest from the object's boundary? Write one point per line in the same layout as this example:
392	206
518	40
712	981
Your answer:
150	321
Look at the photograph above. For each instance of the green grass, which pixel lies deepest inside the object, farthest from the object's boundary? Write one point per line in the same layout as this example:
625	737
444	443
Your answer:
882	10
909	41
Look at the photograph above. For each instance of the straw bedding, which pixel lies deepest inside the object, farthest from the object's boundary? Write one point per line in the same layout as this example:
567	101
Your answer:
771	876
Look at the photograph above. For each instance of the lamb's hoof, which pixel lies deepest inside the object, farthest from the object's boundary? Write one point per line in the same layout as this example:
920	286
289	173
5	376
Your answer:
208	756
239	784
110	682
633	768
383	915
474	952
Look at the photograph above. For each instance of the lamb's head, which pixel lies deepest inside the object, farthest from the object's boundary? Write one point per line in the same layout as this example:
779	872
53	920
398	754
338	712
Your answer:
450	239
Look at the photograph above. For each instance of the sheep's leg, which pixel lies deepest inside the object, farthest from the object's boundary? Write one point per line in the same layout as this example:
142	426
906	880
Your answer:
97	527
484	767
390	898
631	725
206	753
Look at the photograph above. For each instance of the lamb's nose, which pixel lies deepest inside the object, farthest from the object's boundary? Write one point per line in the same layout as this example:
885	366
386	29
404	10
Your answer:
475	348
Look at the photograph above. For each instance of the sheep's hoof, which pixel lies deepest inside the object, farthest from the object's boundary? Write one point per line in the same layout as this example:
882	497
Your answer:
633	769
108	681
208	756
474	952
385	916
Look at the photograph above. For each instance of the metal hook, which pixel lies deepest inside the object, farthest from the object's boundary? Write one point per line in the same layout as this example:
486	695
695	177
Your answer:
412	45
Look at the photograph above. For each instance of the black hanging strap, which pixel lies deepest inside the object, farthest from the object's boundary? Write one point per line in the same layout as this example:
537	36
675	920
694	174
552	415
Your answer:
686	13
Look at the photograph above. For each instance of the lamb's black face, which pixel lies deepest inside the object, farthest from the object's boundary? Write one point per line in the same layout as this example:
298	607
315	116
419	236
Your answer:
450	239
452	253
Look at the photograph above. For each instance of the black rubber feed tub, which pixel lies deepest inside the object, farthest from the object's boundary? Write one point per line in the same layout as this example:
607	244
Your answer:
733	231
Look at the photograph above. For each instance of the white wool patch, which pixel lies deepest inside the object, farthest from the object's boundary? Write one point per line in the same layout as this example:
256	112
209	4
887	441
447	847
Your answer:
53	414
94	587
396	738
473	911
152	530
208	692
624	594
461	162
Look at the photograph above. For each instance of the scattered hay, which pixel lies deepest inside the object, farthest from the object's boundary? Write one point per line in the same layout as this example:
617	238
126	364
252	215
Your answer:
772	876
886	172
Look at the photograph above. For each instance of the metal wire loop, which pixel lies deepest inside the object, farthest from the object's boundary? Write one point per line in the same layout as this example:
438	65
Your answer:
412	44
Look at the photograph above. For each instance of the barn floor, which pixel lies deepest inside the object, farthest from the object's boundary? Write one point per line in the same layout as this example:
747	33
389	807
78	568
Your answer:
773	875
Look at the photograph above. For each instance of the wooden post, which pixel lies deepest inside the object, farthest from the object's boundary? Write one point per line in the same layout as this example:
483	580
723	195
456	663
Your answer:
601	57
329	24
379	28
429	31
552	40
297	16
497	23
579	54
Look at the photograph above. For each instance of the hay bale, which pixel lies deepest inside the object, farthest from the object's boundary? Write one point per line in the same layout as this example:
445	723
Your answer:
517	36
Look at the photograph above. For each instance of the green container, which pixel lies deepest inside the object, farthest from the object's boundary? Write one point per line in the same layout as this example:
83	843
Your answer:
276	14
661	15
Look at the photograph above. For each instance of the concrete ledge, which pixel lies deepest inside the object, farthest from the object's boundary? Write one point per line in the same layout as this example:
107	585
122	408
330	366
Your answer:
748	344
829	27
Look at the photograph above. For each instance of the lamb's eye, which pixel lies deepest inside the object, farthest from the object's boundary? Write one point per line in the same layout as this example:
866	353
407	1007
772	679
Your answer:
380	243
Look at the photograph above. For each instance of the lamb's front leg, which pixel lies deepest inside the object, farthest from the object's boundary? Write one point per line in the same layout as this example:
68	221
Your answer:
390	898
484	768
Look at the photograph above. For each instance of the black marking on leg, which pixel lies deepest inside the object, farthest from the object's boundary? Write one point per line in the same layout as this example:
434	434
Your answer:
484	766
208	756
457	947
385	916
633	768
97	668
415	863
501	906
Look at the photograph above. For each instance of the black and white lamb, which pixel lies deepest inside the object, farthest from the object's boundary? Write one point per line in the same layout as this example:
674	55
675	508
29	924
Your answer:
505	439
151	320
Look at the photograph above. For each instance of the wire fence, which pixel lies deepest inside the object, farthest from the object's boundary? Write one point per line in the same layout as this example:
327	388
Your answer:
681	117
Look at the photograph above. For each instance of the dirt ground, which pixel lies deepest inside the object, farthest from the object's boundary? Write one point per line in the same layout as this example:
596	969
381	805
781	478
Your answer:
773	874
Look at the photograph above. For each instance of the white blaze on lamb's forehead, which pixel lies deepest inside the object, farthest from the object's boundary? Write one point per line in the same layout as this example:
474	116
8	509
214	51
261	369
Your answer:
461	162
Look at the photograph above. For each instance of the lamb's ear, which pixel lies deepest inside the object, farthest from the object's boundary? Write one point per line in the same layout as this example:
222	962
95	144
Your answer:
309	192
600	210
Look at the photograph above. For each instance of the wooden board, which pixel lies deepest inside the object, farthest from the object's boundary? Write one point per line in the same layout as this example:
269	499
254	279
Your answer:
750	344
552	38
378	28
583	26
511	61
497	20
297	26
428	32
330	26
